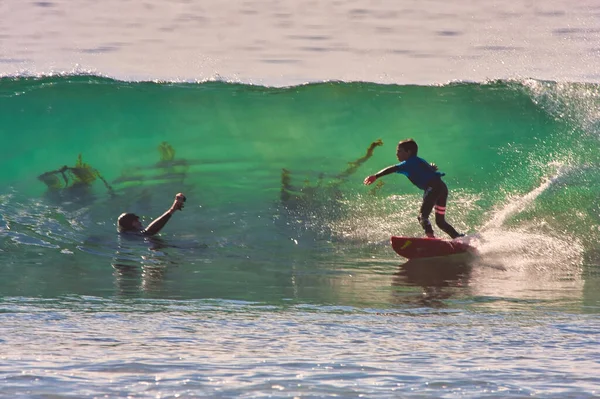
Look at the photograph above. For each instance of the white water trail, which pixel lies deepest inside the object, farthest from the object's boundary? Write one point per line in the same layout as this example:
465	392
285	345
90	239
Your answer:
519	204
530	260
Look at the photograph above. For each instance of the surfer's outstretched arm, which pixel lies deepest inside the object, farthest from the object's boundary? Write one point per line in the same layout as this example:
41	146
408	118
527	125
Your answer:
390	169
160	222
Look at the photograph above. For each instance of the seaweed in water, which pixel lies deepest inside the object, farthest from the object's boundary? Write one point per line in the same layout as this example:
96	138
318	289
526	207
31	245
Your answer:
166	169
81	175
84	173
167	152
308	192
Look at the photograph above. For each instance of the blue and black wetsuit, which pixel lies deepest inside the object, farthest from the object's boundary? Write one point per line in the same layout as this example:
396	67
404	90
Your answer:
424	176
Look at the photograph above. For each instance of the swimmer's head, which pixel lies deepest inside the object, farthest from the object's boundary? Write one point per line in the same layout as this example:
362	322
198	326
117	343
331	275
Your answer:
129	222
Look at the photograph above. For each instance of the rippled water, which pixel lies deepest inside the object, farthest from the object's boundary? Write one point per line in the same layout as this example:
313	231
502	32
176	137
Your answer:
96	348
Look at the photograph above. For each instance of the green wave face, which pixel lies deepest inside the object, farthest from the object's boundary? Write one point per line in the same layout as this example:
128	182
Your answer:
255	161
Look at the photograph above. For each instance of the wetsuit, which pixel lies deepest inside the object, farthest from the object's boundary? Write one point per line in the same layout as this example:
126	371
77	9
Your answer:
424	176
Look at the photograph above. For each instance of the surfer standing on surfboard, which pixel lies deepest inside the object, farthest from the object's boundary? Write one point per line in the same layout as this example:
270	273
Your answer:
130	222
427	178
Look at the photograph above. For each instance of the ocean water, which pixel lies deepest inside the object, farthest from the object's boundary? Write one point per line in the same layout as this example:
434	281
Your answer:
277	279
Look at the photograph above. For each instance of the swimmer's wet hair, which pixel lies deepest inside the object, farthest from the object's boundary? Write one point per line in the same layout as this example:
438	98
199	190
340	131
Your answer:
125	221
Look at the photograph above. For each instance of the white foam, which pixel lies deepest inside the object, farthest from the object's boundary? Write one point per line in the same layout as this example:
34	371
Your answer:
527	249
518	204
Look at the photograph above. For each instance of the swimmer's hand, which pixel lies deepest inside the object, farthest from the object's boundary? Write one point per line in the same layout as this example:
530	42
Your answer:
178	204
433	166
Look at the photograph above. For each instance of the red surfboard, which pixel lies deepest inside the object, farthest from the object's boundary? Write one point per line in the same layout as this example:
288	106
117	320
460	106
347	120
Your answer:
423	247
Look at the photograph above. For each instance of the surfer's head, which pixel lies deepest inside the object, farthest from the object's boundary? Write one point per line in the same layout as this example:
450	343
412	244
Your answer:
406	149
129	222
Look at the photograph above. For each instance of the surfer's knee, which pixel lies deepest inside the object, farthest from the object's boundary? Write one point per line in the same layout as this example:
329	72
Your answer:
440	218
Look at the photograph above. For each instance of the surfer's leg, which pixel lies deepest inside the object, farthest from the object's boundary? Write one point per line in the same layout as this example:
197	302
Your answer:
440	212
440	221
426	207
